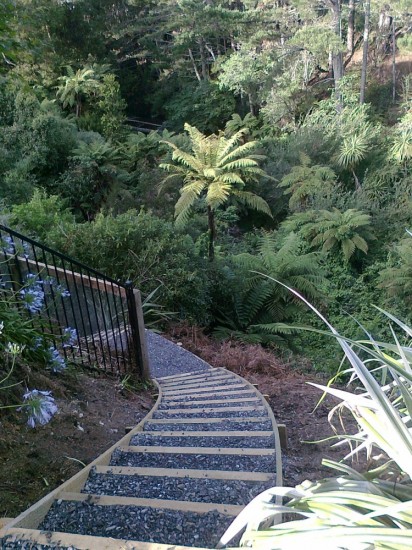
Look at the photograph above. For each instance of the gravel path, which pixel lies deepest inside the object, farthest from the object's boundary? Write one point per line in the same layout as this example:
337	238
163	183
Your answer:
137	523
175	488
163	525
166	358
234	463
143	440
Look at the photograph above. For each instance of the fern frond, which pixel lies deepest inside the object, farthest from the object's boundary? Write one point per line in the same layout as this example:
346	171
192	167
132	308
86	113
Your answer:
253	201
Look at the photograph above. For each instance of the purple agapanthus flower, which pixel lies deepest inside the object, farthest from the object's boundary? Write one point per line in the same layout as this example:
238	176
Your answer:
62	291
59	289
56	361
69	337
32	294
7	244
40	407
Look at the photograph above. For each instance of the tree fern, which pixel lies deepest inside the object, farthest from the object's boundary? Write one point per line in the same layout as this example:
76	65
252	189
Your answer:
218	169
261	306
335	230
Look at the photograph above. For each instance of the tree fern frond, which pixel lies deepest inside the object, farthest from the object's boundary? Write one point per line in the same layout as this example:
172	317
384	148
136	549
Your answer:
253	201
240	151
348	248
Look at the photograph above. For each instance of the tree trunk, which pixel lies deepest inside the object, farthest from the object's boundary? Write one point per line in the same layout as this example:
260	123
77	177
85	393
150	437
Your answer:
203	61
212	233
365	51
192	59
351	27
357	182
337	58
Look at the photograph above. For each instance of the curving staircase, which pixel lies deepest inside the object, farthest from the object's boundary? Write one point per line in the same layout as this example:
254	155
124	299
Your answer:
178	479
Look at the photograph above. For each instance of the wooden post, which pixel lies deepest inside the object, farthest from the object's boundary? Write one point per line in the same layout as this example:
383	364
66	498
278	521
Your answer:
283	436
144	356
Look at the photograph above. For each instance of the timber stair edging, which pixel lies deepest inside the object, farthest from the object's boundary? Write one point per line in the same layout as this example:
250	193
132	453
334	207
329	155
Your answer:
26	525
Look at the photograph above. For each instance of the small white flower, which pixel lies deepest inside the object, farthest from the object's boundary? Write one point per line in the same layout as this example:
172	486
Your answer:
14	349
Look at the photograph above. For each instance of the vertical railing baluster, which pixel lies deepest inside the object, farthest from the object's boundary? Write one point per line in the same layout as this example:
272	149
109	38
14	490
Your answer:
108	324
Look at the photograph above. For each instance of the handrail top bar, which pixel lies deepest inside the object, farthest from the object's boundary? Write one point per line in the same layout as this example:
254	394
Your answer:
96	273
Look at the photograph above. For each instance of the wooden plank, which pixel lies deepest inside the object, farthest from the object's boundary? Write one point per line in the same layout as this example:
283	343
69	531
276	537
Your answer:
207	420
195	474
185	374
213	409
4	521
199	383
184	379
180	505
198	450
85	542
283	436
72	276
215	382
200	380
213	401
217	433
210	389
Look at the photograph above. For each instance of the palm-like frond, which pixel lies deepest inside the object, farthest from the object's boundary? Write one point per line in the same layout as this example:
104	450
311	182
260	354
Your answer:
260	302
253	201
216	169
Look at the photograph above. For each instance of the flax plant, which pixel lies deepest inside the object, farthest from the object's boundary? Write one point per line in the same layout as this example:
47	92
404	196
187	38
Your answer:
352	511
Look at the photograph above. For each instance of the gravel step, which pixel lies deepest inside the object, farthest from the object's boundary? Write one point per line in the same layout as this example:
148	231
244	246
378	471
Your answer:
9	543
137	523
202	397
206	390
184	375
209	441
215	414
215	403
238	463
228	425
175	488
200	382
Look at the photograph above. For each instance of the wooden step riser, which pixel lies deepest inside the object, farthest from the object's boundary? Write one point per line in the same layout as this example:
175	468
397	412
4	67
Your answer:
228	420
193	474
177	403
83	542
198	450
213	389
185	375
198	383
181	505
212	410
217	433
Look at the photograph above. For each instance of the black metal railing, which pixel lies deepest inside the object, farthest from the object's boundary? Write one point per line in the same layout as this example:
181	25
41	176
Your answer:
89	317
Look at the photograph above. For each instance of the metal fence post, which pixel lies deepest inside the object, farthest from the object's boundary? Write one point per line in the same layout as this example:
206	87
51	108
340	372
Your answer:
134	306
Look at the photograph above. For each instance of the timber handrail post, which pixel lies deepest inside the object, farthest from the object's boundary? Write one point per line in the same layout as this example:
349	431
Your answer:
134	306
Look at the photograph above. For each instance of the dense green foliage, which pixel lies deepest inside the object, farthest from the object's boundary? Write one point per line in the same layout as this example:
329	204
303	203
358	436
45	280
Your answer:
332	170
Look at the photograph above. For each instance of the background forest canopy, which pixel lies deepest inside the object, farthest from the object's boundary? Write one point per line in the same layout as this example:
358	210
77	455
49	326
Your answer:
283	148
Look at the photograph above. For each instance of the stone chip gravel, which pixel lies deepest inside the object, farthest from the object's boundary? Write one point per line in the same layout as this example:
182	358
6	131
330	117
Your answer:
238	463
175	488
215	426
211	441
137	523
